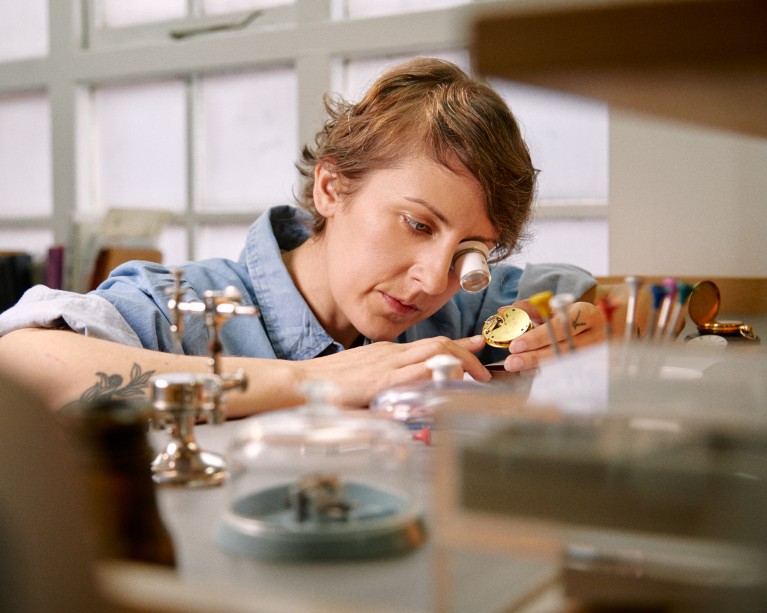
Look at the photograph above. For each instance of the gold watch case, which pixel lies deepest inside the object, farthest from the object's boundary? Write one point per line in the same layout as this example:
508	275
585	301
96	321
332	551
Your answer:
727	328
506	325
703	307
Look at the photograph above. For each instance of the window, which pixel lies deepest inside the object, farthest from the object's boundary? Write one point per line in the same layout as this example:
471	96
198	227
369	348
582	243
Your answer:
25	173
25	155
139	145
23	29
200	107
248	135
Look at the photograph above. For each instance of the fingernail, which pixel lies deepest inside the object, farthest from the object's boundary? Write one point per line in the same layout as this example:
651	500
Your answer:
478	339
514	364
518	346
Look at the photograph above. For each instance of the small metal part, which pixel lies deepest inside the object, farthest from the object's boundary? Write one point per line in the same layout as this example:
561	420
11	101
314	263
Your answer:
561	304
319	498
665	307
506	325
540	302
443	367
176	315
634	283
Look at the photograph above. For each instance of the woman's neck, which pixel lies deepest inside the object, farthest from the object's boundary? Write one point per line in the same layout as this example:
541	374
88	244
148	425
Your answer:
307	266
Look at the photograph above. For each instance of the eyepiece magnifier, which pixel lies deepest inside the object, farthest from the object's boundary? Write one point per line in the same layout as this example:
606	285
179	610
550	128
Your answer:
470	264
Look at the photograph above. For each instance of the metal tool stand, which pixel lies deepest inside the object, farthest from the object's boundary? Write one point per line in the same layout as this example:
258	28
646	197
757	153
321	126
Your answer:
180	400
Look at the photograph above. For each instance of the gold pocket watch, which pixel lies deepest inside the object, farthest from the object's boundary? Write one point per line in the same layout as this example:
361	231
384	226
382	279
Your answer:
506	325
703	307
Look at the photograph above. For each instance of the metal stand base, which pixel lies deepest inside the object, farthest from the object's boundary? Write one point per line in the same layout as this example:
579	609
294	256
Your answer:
382	523
188	466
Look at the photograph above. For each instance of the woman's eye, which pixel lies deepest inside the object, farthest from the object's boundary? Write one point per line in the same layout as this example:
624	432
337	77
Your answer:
417	226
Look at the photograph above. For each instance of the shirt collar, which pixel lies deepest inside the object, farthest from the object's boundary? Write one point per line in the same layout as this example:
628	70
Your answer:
294	331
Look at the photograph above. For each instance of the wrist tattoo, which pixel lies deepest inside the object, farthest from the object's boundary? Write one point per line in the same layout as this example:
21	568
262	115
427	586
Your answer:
110	387
576	323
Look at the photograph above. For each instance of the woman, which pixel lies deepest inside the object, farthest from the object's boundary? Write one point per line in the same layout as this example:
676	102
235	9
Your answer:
357	287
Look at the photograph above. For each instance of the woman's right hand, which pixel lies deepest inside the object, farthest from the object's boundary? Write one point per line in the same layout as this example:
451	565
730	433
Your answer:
360	373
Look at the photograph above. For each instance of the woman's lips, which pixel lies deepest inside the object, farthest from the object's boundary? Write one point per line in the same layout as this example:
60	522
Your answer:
400	308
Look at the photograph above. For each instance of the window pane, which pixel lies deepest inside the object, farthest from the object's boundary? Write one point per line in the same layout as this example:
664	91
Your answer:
225	241
118	13
371	8
172	244
25	156
140	148
23	29
216	7
582	242
250	140
568	140
31	240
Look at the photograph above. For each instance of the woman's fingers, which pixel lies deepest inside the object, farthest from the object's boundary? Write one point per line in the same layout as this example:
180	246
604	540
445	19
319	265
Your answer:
362	372
585	323
418	352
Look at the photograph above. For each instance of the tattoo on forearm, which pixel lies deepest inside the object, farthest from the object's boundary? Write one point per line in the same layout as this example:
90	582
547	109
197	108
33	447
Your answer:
110	387
576	323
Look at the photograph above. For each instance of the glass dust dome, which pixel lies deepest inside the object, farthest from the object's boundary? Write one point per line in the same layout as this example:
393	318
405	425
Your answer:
318	483
416	404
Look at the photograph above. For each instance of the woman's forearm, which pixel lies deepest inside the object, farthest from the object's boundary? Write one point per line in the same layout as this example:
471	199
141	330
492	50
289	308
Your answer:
63	367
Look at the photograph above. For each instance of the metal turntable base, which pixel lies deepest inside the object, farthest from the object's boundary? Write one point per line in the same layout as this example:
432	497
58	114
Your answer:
380	523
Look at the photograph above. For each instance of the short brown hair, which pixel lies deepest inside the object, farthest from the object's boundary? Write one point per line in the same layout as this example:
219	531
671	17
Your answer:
430	105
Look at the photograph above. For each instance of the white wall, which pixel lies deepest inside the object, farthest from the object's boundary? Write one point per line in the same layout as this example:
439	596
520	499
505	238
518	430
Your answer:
685	200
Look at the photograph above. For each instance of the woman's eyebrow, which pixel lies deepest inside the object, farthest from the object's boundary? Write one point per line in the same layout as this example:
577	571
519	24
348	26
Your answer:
438	214
432	209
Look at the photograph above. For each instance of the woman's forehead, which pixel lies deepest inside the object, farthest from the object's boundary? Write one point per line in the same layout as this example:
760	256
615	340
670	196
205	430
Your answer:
450	193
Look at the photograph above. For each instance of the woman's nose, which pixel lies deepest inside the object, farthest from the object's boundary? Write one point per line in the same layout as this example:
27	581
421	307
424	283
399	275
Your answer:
432	270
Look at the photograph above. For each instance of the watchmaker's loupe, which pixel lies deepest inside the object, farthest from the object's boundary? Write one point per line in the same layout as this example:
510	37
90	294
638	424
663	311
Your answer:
470	264
320	483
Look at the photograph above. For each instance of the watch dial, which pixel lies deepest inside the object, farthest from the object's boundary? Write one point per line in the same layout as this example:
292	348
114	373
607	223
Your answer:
708	341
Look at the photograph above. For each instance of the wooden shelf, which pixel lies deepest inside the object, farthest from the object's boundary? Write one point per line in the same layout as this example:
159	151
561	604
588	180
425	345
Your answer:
703	61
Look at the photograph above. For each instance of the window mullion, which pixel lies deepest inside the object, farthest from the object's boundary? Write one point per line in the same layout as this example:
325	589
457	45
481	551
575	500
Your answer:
67	103
195	190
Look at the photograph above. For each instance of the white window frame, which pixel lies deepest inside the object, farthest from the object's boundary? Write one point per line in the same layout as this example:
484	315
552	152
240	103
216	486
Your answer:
308	35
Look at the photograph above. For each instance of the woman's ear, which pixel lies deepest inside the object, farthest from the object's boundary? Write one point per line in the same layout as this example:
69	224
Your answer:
326	199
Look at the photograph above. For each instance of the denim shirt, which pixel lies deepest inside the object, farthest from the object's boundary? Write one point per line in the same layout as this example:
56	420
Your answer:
131	305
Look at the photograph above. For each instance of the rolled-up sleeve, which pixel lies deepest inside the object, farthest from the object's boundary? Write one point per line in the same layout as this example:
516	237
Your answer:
88	314
557	278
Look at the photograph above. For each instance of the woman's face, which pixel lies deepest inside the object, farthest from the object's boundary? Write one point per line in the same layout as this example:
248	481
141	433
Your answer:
390	244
